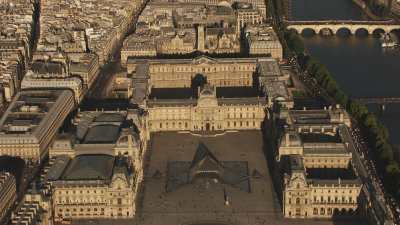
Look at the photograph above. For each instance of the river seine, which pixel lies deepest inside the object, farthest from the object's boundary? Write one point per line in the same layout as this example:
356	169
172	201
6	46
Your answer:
358	63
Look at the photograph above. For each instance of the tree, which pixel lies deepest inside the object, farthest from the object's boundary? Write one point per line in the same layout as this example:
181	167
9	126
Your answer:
358	110
294	42
341	98
370	121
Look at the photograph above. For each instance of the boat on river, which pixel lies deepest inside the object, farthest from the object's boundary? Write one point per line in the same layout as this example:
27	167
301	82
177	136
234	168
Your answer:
389	40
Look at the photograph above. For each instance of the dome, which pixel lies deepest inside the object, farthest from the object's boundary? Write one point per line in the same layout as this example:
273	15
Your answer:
128	137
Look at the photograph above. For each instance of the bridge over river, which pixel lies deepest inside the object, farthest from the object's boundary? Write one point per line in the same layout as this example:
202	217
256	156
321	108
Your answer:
378	100
351	25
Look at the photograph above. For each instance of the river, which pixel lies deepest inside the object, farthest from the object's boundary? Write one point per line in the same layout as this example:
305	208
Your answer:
357	62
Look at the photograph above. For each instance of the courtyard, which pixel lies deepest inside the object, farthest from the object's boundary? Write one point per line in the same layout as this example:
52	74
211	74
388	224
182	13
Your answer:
205	202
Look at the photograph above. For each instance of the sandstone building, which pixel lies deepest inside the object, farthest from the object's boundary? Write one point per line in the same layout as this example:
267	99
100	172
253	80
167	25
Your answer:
8	193
35	209
31	121
206	94
93	186
319	180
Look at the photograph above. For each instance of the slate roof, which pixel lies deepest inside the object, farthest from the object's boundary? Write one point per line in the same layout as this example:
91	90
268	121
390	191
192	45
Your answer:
90	167
104	134
110	117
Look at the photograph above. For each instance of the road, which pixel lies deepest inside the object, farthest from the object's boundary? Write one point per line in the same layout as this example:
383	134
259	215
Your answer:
112	66
363	152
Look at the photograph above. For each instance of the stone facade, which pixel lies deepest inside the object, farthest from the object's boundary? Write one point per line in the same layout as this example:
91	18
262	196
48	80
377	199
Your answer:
104	133
8	193
82	189
35	209
75	71
319	180
262	40
207	113
170	28
180	73
314	198
31	121
236	95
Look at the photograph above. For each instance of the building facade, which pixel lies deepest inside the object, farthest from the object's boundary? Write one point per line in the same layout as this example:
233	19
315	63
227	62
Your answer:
35	209
31	121
170	73
207	113
94	186
319	180
8	193
207	94
306	197
262	40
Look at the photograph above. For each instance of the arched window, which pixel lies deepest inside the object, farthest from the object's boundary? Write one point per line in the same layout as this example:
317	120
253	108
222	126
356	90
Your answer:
297	200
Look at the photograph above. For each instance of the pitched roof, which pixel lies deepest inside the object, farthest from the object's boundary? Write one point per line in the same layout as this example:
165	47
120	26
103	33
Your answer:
90	167
204	159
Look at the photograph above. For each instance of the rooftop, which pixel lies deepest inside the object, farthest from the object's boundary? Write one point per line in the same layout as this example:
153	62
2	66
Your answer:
47	67
31	107
320	138
103	134
331	173
173	93
89	167
222	92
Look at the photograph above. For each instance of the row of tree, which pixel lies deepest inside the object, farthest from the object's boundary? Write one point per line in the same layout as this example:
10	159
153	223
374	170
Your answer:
385	157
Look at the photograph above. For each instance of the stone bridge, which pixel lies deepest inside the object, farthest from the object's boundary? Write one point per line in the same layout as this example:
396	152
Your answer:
335	25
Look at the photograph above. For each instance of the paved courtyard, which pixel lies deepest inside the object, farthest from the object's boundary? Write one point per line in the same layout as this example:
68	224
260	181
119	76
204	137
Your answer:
204	203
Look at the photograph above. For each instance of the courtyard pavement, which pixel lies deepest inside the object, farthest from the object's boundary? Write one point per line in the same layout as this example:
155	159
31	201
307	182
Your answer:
204	203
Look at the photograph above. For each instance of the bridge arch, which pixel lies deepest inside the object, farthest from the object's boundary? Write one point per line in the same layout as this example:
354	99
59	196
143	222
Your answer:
361	30
309	29
389	30
373	27
323	29
347	30
377	31
293	29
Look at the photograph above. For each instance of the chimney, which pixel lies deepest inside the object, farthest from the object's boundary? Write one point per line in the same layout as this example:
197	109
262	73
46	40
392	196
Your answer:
287	139
200	37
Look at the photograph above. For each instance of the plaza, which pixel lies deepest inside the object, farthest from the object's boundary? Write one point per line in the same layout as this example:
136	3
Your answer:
204	201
